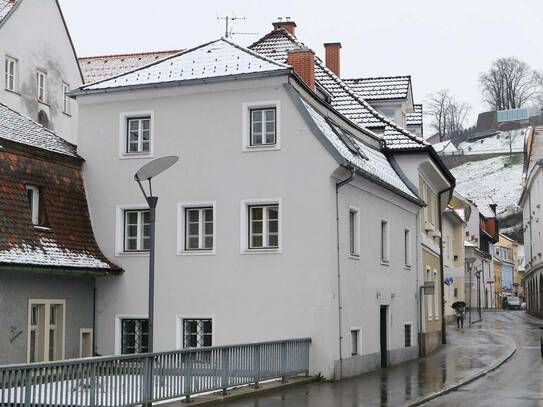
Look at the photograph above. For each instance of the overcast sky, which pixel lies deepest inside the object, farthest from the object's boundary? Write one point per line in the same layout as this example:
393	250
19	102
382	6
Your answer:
442	44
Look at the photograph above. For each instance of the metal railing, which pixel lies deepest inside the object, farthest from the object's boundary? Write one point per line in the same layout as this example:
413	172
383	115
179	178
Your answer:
130	380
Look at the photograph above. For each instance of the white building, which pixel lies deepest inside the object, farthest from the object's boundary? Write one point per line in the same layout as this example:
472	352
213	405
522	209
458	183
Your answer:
39	64
246	224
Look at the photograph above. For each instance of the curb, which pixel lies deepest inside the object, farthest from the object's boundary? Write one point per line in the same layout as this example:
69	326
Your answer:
469	379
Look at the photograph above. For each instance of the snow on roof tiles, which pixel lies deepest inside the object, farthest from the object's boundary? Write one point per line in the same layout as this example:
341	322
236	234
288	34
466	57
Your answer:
382	88
376	165
20	129
98	68
5	7
215	59
277	43
414	118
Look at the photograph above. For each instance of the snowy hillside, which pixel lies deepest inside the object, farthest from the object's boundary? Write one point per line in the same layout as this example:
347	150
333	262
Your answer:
495	144
494	177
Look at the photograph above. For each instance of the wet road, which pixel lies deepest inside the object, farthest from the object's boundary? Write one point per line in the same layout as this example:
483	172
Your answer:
517	383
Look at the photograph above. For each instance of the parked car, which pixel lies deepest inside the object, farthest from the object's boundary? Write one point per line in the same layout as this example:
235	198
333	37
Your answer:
512	303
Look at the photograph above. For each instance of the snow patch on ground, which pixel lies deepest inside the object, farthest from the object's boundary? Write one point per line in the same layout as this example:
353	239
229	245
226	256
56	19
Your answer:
493	177
496	144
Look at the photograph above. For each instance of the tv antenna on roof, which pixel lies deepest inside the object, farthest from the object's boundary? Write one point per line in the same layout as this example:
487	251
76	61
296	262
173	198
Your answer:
227	19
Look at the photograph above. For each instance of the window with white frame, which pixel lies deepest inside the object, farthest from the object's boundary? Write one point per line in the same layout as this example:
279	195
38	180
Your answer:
407	334
41	84
385	242
138	137
137	230
46	330
429	298
355	342
10	77
263	126
134	335
65	98
436	297
263	226
35	203
354	222
407	248
197	333
199	225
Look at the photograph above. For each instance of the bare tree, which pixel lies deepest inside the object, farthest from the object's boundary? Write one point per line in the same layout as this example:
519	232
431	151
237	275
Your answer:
510	84
448	116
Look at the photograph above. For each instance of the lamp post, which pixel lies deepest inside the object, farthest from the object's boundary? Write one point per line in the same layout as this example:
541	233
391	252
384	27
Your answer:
146	173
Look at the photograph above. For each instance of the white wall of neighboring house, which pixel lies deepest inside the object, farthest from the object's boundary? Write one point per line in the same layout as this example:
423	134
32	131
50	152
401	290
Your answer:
35	36
281	294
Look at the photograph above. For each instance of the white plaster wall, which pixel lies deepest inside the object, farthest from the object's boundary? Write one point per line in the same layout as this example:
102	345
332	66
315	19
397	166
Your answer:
35	35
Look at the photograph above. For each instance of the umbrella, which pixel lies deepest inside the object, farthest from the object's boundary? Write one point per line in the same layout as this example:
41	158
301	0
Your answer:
459	304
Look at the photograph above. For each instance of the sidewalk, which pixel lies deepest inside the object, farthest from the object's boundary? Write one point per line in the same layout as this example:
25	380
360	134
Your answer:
469	354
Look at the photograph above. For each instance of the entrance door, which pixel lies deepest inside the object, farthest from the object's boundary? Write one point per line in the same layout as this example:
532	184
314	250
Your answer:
383	330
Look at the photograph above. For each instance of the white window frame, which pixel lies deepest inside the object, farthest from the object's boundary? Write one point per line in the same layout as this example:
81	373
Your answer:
407	248
119	229
429	298
66	108
179	337
123	135
119	326
139	229
11	75
437	306
246	122
245	230
354	233
41	85
181	227
47	307
410	323
35	205
384	234
359	340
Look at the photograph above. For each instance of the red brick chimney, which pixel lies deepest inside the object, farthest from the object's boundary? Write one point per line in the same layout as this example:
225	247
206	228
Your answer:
288	25
302	61
333	51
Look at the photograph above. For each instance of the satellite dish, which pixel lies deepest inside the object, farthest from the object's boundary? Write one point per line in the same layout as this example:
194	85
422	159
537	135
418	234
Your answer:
155	167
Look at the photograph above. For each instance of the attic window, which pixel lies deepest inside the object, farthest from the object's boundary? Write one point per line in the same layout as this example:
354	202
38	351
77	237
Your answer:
35	202
347	139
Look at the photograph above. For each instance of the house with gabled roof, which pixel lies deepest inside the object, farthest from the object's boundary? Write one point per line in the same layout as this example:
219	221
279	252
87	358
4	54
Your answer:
424	171
39	64
284	217
49	259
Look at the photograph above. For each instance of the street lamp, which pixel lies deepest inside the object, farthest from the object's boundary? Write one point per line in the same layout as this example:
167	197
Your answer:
146	173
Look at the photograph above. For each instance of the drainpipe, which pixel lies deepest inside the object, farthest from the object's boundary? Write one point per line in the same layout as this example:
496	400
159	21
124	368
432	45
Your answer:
441	265
339	184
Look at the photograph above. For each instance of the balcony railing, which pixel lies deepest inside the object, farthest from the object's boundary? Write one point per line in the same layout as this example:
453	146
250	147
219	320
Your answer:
130	380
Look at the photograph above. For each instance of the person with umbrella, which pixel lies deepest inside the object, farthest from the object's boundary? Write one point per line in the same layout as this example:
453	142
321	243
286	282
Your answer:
460	311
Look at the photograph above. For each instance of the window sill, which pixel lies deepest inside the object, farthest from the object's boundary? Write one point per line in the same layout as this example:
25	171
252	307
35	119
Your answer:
354	256
197	253
261	251
12	91
132	254
385	263
132	156
250	149
42	228
407	267
67	114
42	103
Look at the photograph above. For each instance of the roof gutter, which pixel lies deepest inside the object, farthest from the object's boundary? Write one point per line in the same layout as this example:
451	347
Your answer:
61	270
84	92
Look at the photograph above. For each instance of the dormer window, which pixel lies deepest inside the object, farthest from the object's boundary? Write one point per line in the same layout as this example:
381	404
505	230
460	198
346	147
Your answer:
35	204
389	112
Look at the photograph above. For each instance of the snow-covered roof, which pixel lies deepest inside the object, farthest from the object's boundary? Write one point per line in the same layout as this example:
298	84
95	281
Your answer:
20	129
446	146
6	6
220	58
98	68
414	118
345	100
372	162
381	88
501	142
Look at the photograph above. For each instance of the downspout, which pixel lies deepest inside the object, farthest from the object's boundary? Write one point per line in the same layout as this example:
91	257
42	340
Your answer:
441	265
339	184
